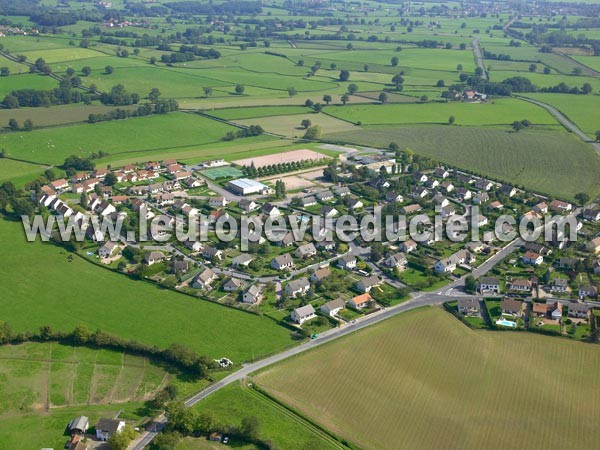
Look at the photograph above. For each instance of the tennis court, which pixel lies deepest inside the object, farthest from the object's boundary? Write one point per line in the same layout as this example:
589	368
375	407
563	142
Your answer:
222	172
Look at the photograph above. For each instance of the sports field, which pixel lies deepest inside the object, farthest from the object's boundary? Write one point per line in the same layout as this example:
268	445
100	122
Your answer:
222	172
66	294
423	379
525	158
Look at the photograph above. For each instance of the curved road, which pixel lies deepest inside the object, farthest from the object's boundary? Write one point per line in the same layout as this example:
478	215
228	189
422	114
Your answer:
564	121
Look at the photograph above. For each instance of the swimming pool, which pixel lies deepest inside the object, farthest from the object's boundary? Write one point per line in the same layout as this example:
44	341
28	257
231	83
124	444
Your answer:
506	323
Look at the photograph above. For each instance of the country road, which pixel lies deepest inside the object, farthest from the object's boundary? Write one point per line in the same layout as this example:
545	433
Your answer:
479	57
564	121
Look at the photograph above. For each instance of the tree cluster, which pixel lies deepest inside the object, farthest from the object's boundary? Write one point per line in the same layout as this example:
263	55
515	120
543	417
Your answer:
252	130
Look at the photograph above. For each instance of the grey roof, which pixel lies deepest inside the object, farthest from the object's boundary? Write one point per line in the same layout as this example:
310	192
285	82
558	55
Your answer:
489	280
284	259
468	303
79	423
305	310
254	290
307	249
108	425
242	259
333	304
299	284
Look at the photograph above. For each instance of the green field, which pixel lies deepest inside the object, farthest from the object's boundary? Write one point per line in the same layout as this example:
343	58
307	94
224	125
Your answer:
266	111
61	115
496	112
135	136
25	81
286	430
525	158
10	169
289	125
581	109
423	378
66	294
45	385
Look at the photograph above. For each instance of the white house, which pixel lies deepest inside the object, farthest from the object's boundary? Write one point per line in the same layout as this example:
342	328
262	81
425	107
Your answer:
297	287
282	262
333	307
253	295
105	428
302	314
347	262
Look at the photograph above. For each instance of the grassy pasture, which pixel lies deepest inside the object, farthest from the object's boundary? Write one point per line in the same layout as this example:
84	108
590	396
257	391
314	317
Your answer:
65	294
14	67
26	81
423	378
432	59
542	80
20	44
582	109
232	403
53	145
525	158
590	61
289	126
60	115
11	169
61	54
250	113
497	112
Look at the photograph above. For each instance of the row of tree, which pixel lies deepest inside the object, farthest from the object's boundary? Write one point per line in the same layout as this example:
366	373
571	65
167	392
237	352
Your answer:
177	355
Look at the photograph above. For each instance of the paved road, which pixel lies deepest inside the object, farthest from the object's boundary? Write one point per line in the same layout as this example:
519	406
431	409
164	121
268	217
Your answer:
565	122
479	57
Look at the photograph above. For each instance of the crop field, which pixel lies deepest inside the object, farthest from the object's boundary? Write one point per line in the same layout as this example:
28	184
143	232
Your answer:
286	430
423	378
581	109
497	112
525	158
137	135
222	172
289	125
65	293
